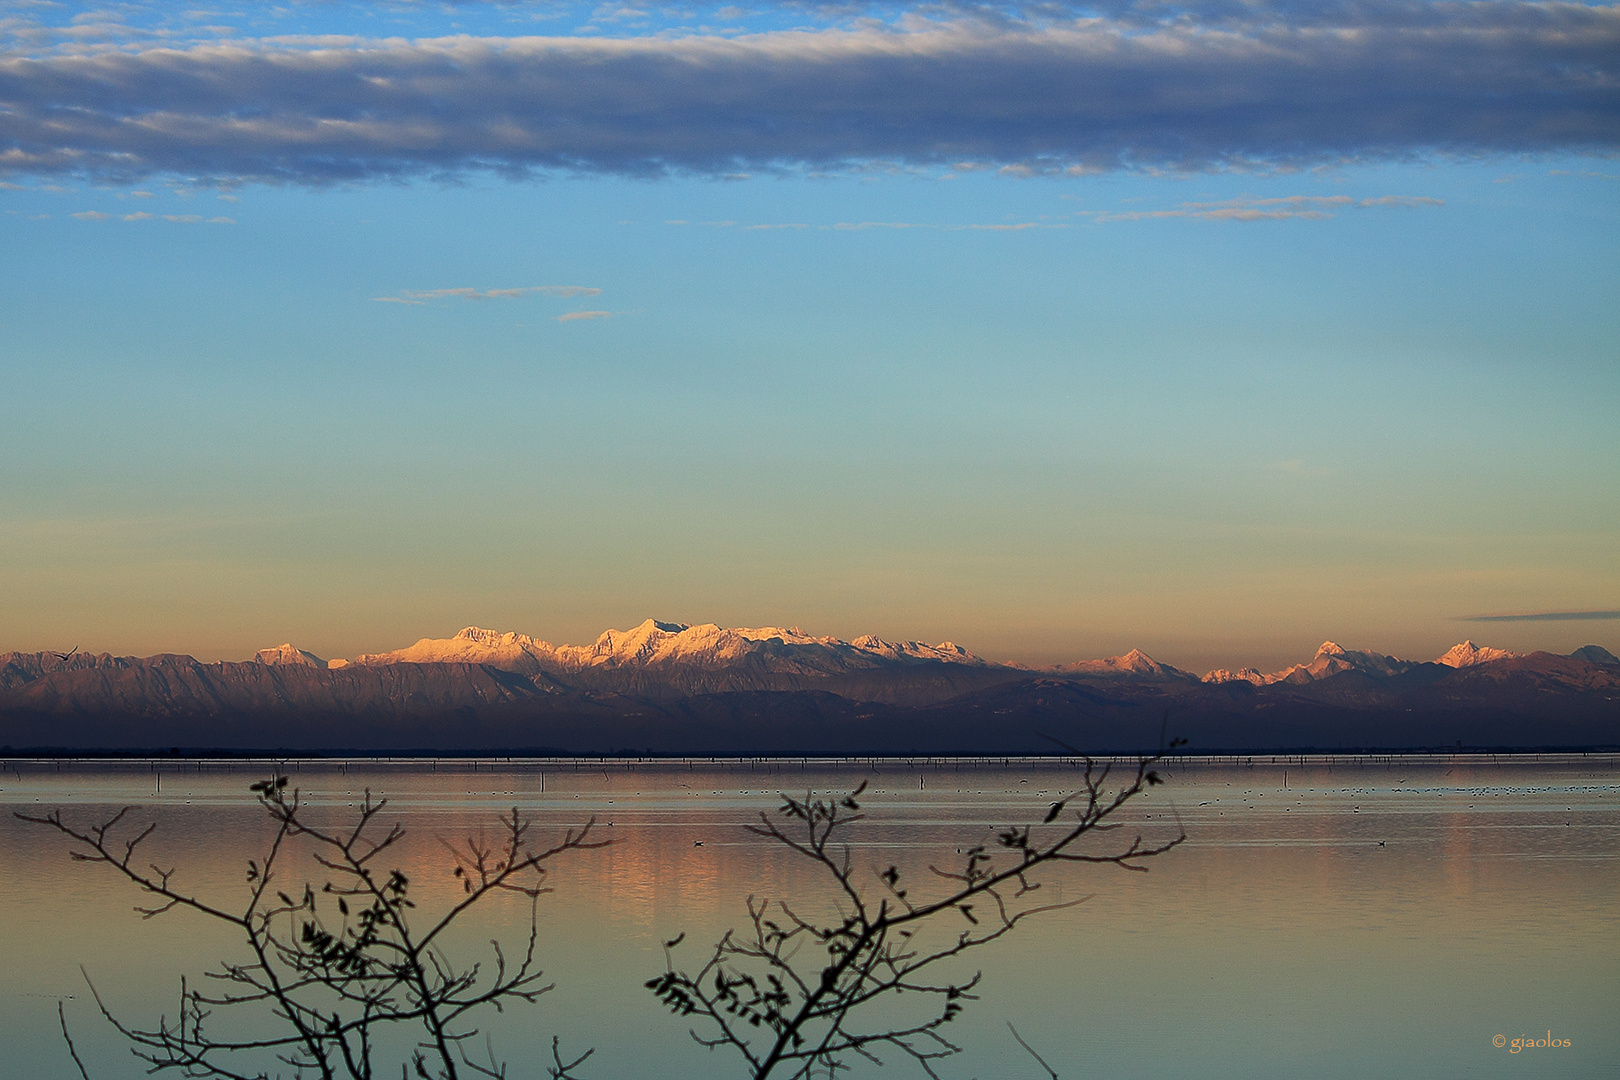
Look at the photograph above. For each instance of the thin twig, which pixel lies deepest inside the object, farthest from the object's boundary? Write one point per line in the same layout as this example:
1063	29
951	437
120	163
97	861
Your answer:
1050	1071
61	1017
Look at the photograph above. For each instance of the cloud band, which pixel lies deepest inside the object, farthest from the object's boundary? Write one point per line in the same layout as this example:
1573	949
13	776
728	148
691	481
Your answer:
1545	616
1497	76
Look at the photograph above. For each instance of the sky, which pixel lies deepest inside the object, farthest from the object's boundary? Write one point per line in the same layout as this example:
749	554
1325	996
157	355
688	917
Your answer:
1213	329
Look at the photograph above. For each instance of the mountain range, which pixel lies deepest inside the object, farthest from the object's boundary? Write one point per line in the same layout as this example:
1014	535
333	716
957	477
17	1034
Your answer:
666	687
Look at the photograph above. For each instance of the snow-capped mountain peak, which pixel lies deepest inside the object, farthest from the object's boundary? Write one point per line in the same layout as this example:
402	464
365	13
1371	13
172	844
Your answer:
286	654
1135	664
1333	658
1468	654
1330	659
470	645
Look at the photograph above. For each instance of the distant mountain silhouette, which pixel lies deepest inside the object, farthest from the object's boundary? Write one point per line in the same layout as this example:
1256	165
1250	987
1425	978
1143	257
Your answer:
672	688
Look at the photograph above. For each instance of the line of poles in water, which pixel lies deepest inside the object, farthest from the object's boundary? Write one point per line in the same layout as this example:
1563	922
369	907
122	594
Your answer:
875	764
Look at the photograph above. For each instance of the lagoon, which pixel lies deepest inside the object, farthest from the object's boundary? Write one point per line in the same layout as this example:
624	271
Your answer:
1337	917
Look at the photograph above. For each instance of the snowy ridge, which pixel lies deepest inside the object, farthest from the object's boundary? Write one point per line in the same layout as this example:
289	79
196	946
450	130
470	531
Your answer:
1224	675
473	645
1332	659
656	644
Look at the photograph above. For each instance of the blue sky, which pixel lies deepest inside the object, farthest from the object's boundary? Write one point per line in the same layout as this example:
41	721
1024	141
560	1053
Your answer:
1052	330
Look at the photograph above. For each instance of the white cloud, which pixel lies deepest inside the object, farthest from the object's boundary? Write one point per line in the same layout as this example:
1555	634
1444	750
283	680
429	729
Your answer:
574	316
92	215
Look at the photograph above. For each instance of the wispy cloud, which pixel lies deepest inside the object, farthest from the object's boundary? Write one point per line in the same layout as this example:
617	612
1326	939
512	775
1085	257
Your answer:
1019	226
1205	85
1543	616
420	297
142	215
574	316
1307	207
862	226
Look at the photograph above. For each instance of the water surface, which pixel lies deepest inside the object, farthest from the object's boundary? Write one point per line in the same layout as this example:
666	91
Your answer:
1344	917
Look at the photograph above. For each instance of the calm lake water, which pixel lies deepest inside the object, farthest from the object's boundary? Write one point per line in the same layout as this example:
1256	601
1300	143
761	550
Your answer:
1350	917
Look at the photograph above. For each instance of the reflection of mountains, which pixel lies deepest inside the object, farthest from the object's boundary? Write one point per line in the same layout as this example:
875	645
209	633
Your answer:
670	688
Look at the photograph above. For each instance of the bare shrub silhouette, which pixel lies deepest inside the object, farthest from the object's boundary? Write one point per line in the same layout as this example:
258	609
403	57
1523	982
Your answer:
793	992
340	971
341	983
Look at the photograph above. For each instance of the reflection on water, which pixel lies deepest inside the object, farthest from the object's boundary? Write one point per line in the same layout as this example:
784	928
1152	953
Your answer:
1340	918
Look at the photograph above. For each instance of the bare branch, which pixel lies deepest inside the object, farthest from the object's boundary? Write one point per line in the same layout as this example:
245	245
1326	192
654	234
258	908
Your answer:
790	993
334	979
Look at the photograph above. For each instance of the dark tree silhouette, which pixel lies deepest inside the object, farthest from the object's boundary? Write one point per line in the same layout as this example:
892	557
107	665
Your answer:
341	969
793	992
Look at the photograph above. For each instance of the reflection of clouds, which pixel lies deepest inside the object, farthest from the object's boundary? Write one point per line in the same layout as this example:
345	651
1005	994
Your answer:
1212	88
